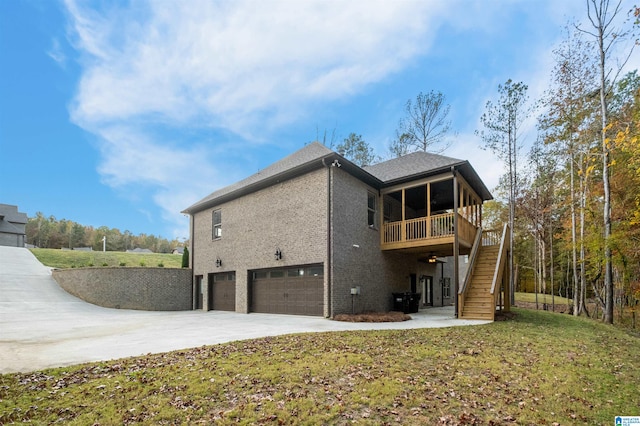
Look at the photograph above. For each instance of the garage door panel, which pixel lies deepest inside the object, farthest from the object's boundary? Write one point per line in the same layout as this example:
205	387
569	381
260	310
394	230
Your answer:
223	292
292	291
224	296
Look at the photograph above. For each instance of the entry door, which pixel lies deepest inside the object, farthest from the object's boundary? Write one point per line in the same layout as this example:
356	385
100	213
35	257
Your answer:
198	291
427	290
414	283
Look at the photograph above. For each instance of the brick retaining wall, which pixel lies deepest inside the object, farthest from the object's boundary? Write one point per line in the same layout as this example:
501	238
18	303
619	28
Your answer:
148	289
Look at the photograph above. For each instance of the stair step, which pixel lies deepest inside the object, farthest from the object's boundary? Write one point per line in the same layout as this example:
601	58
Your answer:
487	317
476	312
481	297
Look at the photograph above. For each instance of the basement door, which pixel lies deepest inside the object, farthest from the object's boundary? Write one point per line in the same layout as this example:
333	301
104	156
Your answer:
293	291
222	292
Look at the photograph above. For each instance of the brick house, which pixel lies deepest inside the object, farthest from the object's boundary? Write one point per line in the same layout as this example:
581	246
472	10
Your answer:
315	234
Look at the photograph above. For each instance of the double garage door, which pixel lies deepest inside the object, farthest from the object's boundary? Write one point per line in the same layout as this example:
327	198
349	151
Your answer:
294	291
222	291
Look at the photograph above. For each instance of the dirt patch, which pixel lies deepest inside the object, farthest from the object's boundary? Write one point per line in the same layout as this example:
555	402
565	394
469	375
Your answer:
392	316
504	316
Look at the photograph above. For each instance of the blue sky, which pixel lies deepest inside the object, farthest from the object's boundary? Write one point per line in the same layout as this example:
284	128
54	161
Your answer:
125	113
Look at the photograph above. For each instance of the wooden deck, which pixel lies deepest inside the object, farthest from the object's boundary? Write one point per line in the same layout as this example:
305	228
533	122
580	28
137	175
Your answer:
436	230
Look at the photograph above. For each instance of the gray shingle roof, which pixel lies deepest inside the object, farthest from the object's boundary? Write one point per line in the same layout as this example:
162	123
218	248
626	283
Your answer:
310	153
11	214
416	163
424	164
405	168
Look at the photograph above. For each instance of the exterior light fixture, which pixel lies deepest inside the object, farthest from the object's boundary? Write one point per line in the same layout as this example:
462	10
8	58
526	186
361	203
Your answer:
433	259
278	254
218	263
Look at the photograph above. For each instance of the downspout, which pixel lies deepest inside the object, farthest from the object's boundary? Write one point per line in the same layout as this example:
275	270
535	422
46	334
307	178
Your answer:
329	253
456	247
192	263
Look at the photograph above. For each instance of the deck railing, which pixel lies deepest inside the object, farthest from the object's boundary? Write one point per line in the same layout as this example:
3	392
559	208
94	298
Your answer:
426	228
496	290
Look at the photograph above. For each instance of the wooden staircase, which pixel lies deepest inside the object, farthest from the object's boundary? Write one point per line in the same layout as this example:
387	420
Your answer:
487	279
478	301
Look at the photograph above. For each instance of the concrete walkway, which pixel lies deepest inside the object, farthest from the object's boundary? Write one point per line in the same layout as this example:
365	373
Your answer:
43	326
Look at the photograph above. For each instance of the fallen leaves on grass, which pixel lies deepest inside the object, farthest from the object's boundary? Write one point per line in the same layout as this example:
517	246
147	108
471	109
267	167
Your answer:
392	316
497	374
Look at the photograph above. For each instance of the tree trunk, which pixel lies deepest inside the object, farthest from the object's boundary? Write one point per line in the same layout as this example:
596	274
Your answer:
576	309
608	271
583	208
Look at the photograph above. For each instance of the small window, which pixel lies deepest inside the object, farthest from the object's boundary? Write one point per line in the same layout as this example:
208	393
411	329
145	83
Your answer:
315	271
259	275
295	273
231	276
446	288
371	209
217	224
277	274
219	277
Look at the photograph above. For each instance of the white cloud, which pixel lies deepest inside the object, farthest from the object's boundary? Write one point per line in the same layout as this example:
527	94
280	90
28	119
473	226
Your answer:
56	53
239	67
220	63
248	69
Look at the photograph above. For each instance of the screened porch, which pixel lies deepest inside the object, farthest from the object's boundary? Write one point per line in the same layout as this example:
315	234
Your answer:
422	215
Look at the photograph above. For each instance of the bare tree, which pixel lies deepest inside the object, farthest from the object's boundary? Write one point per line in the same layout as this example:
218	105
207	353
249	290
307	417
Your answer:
355	149
502	121
425	125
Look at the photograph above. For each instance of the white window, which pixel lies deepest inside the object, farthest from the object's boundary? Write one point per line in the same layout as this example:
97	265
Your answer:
217	224
371	209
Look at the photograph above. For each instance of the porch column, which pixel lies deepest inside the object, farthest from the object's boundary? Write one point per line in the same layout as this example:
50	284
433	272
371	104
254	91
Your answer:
429	210
456	248
403	229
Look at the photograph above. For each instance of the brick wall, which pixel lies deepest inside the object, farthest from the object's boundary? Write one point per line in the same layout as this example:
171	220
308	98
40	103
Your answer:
290	216
357	258
149	289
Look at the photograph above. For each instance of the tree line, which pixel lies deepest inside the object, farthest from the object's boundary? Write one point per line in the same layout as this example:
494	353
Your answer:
49	232
573	198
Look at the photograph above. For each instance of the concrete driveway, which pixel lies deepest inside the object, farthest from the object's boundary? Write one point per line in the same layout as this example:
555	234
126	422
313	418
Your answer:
43	326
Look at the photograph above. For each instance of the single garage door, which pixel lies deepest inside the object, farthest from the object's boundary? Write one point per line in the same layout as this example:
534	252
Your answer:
294	291
222	291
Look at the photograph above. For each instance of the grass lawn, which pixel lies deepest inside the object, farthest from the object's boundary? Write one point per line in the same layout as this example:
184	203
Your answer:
77	259
539	368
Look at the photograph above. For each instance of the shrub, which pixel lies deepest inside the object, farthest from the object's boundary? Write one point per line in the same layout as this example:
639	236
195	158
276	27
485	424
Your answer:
123	263
160	265
185	258
142	263
105	264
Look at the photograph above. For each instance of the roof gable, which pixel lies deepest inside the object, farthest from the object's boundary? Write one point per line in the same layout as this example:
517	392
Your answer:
423	164
308	154
407	166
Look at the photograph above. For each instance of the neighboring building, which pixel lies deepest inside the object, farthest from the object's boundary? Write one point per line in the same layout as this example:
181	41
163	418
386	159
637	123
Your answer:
140	250
314	234
12	226
178	250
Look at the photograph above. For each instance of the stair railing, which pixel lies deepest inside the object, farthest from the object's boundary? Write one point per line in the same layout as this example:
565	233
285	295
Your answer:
475	249
500	262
